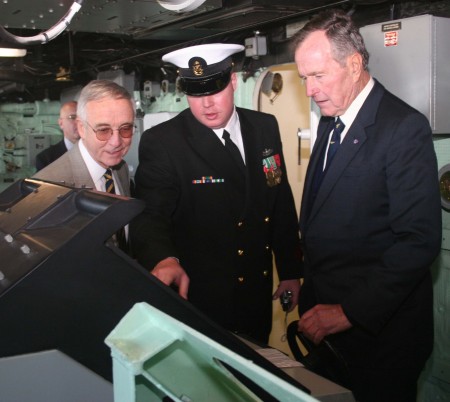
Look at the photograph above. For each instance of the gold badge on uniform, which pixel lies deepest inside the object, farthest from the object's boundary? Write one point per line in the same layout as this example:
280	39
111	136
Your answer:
272	170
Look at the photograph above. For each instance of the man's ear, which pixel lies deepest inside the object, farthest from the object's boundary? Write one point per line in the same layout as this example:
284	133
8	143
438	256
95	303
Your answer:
356	65
234	81
81	128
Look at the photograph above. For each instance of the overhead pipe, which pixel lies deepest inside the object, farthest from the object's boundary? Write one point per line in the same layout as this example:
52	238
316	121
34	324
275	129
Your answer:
46	36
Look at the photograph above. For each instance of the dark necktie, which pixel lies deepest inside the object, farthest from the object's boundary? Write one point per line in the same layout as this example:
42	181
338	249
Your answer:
119	237
319	173
335	140
233	149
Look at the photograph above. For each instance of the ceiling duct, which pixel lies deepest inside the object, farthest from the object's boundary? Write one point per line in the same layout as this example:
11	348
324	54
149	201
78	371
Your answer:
196	19
125	30
234	15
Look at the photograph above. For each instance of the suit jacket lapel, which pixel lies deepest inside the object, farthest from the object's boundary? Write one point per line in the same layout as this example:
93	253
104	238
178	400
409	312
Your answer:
351	144
315	163
80	171
123	179
61	147
253	161
354	139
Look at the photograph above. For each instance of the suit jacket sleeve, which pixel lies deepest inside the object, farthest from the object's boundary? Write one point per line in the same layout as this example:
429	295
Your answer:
413	204
157	185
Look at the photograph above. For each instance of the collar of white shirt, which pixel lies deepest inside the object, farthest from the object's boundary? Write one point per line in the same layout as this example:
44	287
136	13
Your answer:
234	128
95	169
350	114
69	145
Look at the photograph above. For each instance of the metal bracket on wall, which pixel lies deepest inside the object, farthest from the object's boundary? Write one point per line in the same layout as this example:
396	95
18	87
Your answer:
302	135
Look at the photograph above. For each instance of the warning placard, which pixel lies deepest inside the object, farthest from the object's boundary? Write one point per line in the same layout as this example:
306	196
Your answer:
391	38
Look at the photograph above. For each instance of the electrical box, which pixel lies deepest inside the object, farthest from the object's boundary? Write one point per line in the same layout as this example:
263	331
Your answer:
35	144
255	46
152	89
128	81
410	58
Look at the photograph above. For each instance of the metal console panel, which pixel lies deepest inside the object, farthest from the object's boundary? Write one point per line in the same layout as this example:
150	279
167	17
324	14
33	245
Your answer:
156	356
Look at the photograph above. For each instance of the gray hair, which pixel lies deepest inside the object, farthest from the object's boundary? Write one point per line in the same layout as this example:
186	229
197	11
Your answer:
100	89
342	32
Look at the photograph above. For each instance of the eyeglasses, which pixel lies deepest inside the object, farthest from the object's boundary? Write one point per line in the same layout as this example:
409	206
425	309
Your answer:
71	117
105	133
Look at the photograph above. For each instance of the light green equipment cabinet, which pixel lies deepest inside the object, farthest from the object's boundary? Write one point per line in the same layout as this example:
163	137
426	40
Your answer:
155	356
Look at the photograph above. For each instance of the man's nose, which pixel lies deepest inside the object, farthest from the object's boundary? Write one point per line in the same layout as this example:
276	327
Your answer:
115	138
207	101
311	87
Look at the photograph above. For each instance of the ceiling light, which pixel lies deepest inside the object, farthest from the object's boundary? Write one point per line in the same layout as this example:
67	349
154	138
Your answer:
180	5
10	52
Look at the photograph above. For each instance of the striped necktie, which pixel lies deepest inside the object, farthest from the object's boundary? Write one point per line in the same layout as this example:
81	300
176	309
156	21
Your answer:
119	237
337	128
109	182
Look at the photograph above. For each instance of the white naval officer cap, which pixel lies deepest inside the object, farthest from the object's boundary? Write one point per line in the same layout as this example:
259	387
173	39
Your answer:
204	69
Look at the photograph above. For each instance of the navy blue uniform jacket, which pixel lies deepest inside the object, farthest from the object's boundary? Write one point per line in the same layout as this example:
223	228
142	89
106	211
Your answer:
222	223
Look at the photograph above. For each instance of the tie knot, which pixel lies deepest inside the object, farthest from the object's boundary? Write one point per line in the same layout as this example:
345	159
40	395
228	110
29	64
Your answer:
338	124
108	174
233	149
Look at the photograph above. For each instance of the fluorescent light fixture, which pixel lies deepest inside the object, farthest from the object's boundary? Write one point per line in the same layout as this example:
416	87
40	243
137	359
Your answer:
10	52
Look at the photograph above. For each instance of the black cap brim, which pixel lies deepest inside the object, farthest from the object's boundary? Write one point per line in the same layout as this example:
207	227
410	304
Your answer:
206	85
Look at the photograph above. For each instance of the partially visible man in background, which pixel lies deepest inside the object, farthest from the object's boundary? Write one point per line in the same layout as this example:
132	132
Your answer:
68	123
370	218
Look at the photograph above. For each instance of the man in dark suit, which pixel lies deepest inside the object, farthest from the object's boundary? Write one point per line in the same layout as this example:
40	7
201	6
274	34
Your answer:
214	214
370	218
68	124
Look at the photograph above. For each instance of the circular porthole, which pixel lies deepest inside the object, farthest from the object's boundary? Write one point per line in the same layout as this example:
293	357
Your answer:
444	186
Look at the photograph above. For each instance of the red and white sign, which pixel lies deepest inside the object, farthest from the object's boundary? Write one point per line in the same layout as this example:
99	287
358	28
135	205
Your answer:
391	38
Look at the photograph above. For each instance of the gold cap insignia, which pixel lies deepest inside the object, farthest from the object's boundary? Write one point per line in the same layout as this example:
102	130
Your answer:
197	68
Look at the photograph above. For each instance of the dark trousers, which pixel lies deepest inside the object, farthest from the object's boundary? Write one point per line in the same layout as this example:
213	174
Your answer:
384	385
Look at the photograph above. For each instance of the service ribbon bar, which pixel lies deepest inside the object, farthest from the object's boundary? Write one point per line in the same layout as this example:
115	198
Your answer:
207	180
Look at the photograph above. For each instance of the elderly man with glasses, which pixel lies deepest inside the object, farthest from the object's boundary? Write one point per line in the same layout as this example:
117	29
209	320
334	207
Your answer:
105	121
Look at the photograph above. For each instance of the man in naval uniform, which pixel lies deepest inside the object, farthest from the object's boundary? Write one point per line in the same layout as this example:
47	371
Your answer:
215	210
